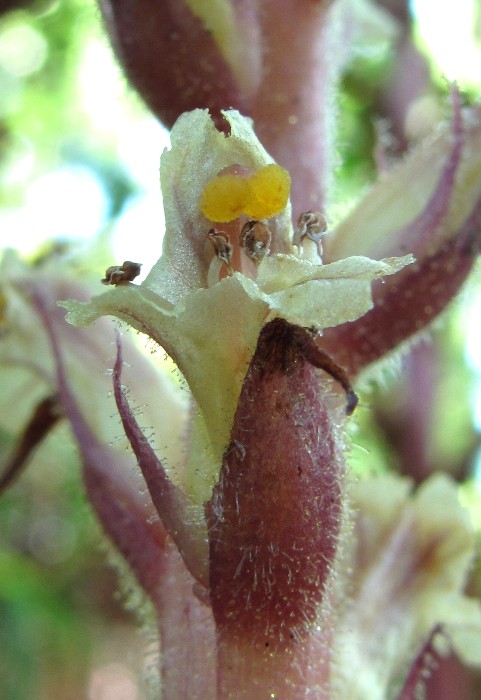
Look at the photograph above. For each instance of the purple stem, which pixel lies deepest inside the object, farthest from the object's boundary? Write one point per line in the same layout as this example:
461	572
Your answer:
186	629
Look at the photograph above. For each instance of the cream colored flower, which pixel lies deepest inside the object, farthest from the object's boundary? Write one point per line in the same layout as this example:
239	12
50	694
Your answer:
410	557
28	365
424	199
210	326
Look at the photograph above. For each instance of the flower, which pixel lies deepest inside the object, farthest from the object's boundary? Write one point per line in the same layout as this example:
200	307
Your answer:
429	204
52	371
259	516
259	586
35	370
409	556
187	310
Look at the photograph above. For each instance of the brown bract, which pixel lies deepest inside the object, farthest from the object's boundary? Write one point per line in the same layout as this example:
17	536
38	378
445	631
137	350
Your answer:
274	517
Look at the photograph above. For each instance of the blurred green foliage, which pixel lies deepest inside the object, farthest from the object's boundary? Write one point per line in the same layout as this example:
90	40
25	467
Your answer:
44	122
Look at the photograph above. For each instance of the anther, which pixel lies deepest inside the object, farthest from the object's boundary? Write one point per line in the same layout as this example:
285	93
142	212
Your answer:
222	247
311	225
122	274
255	239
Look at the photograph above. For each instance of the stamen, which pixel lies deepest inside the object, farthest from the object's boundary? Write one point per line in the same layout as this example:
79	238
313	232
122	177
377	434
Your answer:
122	274
311	225
222	247
255	239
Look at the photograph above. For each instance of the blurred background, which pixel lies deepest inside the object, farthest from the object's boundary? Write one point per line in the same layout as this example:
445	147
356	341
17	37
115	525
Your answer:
79	157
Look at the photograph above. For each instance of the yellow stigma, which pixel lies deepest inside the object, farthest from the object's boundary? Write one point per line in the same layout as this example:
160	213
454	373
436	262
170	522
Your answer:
269	191
260	196
224	198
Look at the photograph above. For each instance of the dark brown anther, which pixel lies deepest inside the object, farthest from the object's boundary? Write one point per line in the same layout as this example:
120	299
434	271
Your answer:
121	274
311	225
222	247
255	239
